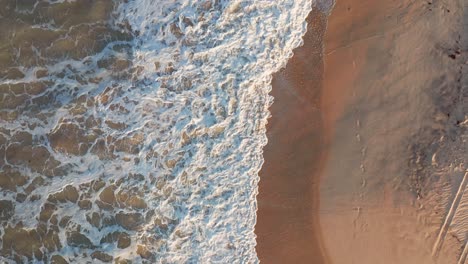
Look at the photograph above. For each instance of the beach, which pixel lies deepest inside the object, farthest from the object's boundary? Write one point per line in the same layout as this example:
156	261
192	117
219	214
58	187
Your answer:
134	131
386	170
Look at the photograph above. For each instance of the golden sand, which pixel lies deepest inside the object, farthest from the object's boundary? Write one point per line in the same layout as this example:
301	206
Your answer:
367	143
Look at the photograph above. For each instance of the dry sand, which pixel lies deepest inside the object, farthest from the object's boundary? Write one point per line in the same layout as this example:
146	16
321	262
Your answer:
381	121
394	70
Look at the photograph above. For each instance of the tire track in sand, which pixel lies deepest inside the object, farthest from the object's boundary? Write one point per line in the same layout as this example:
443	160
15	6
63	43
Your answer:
449	218
463	255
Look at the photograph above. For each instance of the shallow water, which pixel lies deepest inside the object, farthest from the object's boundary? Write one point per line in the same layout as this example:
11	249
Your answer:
133	131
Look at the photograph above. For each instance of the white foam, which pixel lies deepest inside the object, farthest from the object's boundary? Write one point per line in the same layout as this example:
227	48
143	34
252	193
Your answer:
229	56
200	99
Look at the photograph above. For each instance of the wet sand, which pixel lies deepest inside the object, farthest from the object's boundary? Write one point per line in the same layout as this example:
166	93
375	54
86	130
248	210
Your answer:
367	144
287	219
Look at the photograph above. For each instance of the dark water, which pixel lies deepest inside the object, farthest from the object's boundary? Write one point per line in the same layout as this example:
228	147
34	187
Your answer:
43	70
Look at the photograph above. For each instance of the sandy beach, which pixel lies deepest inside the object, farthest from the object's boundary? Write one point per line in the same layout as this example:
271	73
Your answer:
383	179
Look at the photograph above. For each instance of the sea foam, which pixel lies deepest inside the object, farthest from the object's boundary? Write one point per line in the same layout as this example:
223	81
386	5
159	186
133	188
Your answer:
213	62
175	119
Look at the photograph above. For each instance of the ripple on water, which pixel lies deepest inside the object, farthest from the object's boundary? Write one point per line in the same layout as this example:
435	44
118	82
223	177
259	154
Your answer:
134	131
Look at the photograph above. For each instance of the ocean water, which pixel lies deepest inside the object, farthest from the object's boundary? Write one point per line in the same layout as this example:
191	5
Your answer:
132	131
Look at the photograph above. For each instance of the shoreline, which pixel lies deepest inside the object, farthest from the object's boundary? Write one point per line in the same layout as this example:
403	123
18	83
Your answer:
287	228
